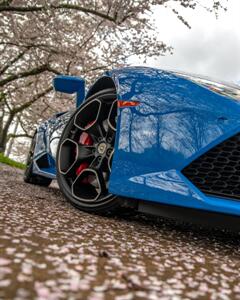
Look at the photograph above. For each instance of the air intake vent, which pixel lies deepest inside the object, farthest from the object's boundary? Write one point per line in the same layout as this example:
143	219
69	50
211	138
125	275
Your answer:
217	172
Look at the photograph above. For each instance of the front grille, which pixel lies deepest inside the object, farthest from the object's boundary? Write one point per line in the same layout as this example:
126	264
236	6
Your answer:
217	172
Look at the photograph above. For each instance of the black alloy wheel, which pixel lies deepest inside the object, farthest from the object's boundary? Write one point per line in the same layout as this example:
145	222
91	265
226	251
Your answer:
85	153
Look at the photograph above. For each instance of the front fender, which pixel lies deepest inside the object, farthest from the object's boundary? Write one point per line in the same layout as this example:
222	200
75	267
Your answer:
176	122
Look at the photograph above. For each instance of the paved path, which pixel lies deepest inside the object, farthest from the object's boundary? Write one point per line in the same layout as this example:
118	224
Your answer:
50	250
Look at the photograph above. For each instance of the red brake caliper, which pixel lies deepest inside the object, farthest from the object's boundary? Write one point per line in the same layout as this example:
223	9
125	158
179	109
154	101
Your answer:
85	139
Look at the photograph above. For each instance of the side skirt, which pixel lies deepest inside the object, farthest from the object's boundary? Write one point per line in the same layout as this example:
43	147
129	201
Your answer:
189	215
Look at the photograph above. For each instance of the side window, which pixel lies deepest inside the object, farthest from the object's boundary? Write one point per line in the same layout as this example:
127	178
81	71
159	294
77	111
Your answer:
217	87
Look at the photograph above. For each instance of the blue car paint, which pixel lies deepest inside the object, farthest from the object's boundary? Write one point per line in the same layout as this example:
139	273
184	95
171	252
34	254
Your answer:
176	122
45	133
70	85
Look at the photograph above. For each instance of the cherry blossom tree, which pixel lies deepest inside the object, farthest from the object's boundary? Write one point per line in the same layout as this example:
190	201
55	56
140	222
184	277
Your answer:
39	39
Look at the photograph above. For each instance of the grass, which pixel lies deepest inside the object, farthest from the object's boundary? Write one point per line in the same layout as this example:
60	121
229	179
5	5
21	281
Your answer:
11	162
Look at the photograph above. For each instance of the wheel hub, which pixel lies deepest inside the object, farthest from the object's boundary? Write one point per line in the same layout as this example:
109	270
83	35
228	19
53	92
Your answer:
102	148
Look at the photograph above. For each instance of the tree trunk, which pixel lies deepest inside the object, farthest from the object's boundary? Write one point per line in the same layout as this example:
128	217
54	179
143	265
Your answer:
9	149
3	134
2	149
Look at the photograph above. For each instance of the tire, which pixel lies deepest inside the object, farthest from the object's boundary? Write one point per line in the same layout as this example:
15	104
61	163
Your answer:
29	177
85	154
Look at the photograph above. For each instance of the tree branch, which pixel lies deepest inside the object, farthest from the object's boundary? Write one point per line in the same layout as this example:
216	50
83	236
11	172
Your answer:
11	135
8	65
8	8
22	125
32	72
34	99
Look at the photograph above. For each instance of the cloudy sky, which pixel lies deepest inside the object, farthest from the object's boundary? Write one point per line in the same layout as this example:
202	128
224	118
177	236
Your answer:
211	47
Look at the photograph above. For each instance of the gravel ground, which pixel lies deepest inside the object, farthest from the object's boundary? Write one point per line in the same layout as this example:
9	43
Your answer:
50	250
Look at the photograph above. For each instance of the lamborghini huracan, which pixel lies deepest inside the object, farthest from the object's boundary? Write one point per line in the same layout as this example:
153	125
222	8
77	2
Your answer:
161	142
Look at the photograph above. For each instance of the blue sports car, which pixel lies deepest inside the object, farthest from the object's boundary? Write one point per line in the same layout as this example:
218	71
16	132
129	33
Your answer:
162	142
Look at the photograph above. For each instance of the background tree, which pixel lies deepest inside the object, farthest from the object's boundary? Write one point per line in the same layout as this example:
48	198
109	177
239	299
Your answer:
39	39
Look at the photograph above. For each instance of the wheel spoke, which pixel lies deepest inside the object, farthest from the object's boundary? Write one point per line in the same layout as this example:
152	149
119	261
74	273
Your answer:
103	112
85	152
112	116
96	163
110	135
96	131
101	183
110	161
98	182
111	123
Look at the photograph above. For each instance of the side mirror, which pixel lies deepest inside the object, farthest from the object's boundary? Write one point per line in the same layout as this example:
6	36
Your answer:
70	85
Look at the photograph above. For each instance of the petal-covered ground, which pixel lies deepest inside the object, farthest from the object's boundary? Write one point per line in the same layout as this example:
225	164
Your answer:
51	250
